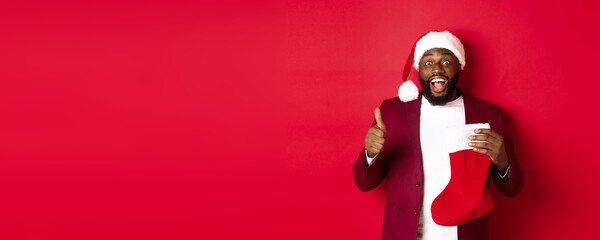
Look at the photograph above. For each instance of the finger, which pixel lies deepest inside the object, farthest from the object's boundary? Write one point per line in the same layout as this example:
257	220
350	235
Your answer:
377	146
375	149
489	132
379	119
485	145
373	153
485	137
493	154
482	137
379	140
483	150
377	132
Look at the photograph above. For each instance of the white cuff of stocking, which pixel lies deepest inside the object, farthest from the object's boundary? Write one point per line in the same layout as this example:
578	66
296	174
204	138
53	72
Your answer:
457	138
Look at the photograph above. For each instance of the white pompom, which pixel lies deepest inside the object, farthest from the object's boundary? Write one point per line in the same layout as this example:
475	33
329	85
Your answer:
408	91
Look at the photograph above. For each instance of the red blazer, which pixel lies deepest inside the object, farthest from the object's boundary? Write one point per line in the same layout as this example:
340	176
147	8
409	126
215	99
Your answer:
401	162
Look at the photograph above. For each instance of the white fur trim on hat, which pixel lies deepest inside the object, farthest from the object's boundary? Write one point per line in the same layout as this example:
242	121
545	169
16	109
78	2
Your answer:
443	39
408	91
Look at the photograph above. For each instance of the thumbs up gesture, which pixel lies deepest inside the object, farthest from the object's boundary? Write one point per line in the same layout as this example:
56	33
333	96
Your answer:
375	136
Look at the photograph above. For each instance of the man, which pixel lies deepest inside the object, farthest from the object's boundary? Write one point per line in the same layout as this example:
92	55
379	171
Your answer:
406	145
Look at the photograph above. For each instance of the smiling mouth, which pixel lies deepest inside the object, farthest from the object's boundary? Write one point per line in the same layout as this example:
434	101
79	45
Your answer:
438	84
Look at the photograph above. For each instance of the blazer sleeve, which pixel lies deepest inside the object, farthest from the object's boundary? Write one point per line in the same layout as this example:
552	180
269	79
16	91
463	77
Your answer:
366	177
516	177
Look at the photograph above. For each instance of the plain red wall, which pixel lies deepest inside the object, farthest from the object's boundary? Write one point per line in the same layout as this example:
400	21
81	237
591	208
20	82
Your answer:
241	120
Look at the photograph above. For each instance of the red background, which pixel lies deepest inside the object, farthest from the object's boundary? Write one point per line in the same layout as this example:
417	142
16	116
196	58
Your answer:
241	120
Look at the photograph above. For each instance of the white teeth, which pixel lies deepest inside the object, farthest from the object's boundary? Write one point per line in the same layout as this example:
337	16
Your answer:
438	80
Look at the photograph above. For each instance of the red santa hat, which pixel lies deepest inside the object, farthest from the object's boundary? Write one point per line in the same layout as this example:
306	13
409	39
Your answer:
408	91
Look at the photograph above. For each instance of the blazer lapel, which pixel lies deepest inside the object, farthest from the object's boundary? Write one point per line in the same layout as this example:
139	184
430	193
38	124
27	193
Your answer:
471	110
413	111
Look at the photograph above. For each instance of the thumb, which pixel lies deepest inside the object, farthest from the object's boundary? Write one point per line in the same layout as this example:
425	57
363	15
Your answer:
379	120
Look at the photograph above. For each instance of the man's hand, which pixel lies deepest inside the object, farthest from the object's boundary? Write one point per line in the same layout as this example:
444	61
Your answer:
493	146
375	136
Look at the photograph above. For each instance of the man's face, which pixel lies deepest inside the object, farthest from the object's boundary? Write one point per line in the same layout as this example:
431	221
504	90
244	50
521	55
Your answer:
438	74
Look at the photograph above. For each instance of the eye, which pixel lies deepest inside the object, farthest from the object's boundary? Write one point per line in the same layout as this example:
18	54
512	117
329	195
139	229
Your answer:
428	63
446	62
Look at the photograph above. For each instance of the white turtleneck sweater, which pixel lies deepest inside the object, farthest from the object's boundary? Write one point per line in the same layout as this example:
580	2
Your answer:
436	161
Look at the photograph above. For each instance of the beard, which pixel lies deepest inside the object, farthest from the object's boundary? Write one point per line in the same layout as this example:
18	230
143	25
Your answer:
443	99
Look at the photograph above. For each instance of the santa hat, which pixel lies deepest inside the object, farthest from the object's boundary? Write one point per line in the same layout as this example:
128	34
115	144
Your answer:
408	91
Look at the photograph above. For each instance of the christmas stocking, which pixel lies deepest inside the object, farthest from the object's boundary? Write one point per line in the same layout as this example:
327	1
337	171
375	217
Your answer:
466	196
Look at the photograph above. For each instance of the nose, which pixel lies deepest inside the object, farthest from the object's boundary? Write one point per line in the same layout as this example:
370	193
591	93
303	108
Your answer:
437	69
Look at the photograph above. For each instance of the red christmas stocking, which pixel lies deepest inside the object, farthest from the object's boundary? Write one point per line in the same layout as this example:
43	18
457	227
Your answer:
466	196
